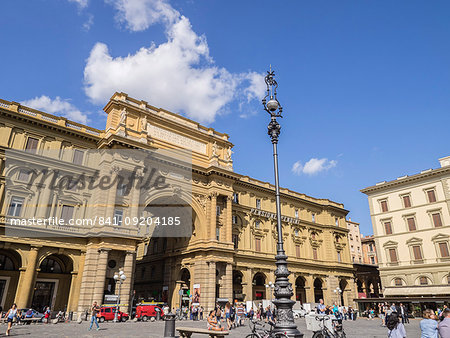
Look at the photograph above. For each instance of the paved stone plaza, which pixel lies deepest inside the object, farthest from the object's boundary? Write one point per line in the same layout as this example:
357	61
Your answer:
353	329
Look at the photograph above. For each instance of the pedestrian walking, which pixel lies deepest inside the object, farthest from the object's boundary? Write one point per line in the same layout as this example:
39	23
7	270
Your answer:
47	314
429	324
11	316
94	310
444	325
395	328
403	313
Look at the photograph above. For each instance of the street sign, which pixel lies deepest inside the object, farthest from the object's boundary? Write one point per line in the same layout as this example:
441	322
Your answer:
111	298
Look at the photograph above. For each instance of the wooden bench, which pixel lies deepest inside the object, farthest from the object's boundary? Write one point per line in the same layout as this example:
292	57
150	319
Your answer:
24	321
186	332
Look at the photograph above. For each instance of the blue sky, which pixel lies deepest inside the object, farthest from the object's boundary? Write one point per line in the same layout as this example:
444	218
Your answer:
364	84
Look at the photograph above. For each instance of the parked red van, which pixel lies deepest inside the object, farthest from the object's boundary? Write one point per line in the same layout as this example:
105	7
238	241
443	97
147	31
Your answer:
107	313
144	312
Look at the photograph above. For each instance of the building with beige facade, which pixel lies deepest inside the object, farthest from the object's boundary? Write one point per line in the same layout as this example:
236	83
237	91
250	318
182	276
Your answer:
411	223
369	250
354	241
229	253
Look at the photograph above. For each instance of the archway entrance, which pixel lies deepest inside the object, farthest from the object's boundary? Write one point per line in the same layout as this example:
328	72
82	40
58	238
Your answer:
318	291
52	285
185	278
343	284
237	286
10	263
300	291
259	289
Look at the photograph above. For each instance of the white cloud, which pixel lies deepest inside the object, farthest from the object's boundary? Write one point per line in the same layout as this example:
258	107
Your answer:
81	3
313	166
178	75
57	106
138	15
88	23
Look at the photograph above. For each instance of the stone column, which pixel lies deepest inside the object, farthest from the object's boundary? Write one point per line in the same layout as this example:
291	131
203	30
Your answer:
74	296
87	279
211	289
27	279
226	287
128	271
247	287
213	218
100	275
309	289
229	220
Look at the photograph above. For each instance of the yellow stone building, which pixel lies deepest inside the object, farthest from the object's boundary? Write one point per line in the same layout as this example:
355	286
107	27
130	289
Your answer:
230	254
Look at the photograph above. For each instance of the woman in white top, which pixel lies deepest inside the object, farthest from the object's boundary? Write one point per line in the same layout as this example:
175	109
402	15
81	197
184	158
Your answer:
395	328
10	315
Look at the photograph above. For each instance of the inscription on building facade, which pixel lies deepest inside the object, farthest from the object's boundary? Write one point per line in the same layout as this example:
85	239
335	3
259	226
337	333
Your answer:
177	139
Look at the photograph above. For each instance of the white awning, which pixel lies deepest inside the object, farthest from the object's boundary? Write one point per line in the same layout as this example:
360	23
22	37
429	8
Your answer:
427	291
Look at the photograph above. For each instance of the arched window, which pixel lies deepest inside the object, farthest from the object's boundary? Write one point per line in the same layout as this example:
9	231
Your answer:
6	263
423	280
50	265
398	282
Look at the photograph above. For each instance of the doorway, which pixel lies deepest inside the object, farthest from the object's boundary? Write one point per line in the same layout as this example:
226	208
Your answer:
44	294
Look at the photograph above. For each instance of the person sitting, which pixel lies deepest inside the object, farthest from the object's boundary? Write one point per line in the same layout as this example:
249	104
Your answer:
212	322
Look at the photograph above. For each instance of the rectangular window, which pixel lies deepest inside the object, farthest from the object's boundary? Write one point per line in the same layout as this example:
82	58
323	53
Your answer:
406	201
32	144
296	213
443	248
218	210
339	256
437	219
417	252
257	224
67	213
297	250
122	189
370	247
15	207
78	156
388	228
258	244
384	206
24	175
336	221
353	249
235	240
431	196
411	223
393	255
236	198
315	255
353	259
258	203
218	234
118	216
313	218
372	260
234	219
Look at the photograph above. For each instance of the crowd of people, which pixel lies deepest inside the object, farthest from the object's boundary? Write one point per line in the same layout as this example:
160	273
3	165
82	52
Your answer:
340	312
232	315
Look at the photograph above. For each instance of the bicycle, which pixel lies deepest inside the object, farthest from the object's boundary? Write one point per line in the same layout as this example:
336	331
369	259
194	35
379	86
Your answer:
263	332
325	331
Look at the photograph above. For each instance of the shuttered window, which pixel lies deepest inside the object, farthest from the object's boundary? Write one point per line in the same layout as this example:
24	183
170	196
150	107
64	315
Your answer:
384	206
431	196
417	252
411	223
297	251
437	220
393	255
315	255
258	244
78	156
31	145
406	201
388	228
67	212
443	248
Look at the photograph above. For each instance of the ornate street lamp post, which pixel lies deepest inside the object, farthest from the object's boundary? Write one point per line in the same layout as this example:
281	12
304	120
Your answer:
283	289
119	278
